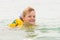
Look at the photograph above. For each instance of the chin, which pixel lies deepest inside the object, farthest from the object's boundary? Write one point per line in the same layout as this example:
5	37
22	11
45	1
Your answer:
32	23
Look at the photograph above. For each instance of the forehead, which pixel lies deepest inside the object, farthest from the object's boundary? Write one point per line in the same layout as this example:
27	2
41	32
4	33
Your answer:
31	13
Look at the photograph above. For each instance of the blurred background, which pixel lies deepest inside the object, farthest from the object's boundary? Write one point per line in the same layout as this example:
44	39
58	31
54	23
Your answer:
47	11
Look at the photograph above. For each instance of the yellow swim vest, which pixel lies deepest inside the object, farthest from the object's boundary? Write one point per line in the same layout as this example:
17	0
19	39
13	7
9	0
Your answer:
16	23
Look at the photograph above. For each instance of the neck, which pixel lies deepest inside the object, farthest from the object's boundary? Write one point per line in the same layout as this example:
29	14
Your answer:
28	24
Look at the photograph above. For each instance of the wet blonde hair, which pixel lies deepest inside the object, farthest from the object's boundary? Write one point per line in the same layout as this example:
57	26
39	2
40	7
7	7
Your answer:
27	10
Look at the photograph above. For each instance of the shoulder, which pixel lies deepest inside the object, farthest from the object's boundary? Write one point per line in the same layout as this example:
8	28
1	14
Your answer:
18	19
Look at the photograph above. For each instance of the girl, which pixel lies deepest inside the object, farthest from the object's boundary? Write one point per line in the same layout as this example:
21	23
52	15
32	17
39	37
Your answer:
27	18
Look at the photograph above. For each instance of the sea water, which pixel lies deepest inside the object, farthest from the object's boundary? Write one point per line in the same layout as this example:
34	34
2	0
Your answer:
41	32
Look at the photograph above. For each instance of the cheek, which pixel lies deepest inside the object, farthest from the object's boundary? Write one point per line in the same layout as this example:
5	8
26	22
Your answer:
26	19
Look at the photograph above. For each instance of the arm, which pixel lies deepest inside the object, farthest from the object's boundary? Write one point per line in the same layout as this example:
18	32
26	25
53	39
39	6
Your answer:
13	24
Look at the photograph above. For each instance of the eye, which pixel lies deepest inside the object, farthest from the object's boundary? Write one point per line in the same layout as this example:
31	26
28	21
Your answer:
34	16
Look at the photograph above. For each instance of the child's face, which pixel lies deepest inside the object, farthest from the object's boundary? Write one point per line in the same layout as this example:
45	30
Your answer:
30	17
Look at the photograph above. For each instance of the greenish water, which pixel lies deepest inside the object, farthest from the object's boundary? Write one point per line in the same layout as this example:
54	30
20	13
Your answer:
37	34
48	38
44	32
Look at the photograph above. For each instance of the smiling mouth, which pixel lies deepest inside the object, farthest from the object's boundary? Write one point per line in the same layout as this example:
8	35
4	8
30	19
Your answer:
32	20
